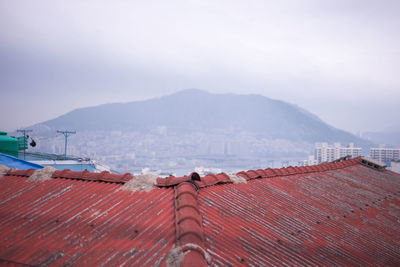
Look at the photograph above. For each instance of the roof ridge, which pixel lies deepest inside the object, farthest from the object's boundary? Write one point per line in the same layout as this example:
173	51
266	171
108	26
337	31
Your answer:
207	180
213	179
85	175
189	225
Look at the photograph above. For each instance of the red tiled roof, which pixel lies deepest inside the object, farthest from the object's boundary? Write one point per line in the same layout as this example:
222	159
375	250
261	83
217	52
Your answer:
348	216
81	223
189	226
341	213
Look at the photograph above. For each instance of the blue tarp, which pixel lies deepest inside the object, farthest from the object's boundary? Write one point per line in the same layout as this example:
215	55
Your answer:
13	162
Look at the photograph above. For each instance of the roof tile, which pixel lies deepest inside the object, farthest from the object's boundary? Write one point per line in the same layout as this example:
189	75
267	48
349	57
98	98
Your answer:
23	173
297	170
291	170
171	180
209	179
244	175
223	178
319	168
189	229
104	176
253	174
261	173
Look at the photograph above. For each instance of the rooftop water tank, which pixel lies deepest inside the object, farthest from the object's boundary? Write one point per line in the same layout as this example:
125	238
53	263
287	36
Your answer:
8	144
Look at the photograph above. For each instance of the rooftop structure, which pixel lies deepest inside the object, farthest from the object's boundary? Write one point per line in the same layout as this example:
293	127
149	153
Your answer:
327	153
61	162
341	213
10	145
16	146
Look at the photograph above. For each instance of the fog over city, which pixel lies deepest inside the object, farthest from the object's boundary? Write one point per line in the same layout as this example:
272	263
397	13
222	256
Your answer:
337	59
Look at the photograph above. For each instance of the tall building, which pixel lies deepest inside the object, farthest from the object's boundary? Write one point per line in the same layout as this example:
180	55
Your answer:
326	153
385	154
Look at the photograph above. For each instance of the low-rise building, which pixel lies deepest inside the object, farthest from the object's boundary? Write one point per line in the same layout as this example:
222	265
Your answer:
309	161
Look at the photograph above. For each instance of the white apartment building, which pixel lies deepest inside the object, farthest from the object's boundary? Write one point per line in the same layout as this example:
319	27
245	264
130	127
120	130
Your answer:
327	153
385	154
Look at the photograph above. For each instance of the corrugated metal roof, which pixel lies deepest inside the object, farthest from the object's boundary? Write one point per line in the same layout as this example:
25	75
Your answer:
83	223
347	216
341	213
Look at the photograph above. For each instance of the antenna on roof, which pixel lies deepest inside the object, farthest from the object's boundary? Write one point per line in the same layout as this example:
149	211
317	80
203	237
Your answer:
66	133
25	137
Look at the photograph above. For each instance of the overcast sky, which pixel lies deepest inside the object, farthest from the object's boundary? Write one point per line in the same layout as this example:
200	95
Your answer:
339	59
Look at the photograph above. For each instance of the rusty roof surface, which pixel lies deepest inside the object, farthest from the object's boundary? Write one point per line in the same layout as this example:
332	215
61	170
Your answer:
341	213
347	216
83	223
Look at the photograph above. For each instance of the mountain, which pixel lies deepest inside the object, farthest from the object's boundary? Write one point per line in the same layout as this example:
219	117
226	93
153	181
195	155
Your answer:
189	129
196	110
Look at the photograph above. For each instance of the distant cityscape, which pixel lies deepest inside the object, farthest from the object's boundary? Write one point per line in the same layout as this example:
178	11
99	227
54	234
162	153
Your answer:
323	152
166	153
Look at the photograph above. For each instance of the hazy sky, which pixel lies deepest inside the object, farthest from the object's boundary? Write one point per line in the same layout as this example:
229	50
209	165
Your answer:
339	59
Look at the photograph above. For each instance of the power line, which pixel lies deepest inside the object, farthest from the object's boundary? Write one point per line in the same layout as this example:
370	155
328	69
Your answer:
66	133
24	134
49	137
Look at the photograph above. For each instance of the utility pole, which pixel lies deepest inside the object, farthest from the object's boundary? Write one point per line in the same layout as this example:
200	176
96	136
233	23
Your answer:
66	134
24	134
